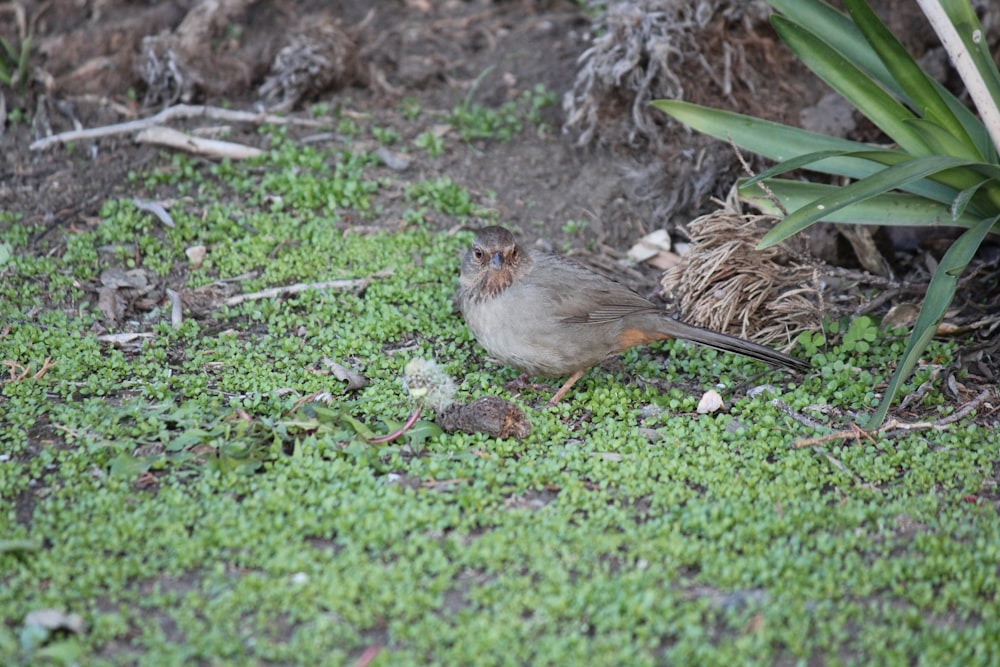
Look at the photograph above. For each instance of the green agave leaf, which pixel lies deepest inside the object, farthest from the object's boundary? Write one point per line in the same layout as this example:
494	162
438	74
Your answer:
939	295
888	179
943	186
890	208
772	140
853	83
964	197
942	142
973	126
883	157
919	87
800	162
783	142
842	34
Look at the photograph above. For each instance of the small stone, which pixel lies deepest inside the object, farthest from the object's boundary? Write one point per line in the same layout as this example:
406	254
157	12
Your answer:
196	255
711	401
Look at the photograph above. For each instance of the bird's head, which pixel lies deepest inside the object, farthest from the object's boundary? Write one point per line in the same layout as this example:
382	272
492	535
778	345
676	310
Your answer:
492	263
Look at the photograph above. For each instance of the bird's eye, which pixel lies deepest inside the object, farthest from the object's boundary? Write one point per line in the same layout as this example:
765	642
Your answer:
477	252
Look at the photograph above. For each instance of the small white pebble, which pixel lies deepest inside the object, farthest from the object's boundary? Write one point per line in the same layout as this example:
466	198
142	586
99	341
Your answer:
196	255
711	401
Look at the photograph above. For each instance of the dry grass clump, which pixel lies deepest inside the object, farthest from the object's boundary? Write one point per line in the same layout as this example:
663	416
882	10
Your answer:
181	65
319	56
705	51
724	283
651	49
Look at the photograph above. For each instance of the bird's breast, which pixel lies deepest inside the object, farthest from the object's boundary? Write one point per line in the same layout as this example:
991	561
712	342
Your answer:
524	329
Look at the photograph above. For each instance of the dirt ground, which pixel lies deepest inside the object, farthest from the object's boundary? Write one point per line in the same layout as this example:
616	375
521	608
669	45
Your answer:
609	164
88	60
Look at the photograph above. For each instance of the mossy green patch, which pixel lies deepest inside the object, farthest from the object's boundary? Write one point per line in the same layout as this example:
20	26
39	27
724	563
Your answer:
207	496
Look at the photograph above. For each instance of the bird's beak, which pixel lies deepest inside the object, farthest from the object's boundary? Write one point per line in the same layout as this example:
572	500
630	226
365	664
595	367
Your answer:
496	261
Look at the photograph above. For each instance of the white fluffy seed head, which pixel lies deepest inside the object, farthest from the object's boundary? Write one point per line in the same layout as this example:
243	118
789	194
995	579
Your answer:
428	384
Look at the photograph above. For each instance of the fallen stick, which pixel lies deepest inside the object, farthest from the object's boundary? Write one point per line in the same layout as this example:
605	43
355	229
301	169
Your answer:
167	115
166	136
895	425
285	290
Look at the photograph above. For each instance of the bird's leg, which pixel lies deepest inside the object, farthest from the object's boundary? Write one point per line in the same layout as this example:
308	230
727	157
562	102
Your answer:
566	386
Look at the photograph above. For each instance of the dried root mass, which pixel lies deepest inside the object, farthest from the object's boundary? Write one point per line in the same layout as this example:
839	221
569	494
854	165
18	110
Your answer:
725	283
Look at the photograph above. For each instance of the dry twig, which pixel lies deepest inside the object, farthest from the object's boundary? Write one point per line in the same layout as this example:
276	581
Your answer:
180	111
214	148
19	372
892	425
286	290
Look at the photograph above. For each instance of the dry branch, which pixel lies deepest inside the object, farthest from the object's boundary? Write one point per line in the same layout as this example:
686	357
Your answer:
165	136
286	290
181	111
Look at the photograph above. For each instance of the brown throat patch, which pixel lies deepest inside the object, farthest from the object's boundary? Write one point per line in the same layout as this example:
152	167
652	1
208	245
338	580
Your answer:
492	282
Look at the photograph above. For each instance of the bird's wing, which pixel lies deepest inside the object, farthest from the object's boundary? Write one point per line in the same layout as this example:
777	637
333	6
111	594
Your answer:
580	296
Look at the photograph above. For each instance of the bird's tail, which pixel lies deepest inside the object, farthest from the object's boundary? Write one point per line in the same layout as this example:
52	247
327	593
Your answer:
720	341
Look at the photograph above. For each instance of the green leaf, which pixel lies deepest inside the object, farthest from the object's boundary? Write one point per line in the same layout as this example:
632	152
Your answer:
887	179
421	431
323	414
359	427
17	546
841	33
939	296
860	335
853	83
970	31
942	142
772	140
963	198
919	87
188	438
803	161
33	636
127	466
782	143
64	652
884	181
890	208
